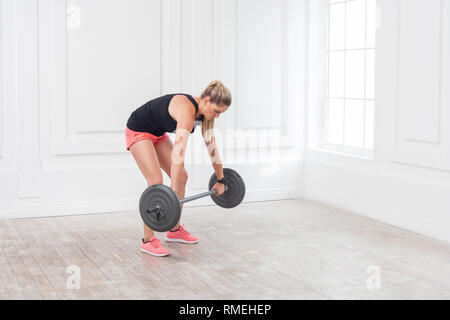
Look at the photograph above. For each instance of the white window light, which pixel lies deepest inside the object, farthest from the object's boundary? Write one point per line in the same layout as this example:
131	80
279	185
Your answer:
351	73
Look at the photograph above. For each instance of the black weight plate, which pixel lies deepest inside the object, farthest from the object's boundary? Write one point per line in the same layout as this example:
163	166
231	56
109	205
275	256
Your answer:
170	210
236	189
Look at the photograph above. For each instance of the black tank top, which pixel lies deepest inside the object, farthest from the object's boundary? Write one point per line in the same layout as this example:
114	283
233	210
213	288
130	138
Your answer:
154	117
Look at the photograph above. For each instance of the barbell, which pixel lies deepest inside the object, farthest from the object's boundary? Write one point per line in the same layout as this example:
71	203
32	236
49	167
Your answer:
160	207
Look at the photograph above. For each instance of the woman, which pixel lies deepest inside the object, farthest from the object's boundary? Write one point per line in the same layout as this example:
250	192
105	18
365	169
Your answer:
148	142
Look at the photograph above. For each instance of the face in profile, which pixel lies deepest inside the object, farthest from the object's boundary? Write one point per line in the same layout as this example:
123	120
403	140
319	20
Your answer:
213	111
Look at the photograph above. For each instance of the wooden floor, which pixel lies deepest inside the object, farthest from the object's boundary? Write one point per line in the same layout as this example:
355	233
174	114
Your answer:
275	250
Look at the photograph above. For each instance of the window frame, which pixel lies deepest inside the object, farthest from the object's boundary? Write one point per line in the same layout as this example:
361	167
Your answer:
324	138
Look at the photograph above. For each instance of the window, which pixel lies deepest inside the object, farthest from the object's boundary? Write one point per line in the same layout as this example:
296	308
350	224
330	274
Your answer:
351	75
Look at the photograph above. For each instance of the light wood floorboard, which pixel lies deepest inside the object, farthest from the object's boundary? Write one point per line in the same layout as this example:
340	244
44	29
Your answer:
294	249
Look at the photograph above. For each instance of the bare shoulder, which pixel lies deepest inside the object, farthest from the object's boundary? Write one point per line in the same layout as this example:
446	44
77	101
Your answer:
181	108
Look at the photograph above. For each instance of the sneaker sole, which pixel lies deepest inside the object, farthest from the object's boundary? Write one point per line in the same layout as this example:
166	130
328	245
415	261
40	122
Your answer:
181	241
155	254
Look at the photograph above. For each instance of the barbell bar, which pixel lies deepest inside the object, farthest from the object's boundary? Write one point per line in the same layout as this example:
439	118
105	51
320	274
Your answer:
157	209
201	195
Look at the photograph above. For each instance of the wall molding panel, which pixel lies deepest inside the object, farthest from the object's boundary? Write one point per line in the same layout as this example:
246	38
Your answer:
9	95
196	39
259	64
28	162
294	75
171	66
419	44
423	103
75	129
224	54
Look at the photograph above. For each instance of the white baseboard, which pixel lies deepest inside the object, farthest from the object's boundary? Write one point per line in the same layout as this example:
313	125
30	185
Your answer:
408	213
122	205
67	209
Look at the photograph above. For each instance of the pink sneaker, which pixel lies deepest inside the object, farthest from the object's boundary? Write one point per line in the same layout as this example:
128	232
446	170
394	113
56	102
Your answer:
154	248
181	235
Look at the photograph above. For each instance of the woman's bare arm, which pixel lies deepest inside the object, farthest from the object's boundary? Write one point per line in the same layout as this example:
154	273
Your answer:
216	161
184	113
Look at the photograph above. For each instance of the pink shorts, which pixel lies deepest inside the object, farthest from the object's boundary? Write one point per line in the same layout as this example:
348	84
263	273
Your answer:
132	137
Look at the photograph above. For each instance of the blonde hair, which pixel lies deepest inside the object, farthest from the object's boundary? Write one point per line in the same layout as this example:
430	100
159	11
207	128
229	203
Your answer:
219	95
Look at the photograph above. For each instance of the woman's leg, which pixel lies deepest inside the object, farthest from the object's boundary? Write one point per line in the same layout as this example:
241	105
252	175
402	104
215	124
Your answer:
147	160
164	152
178	234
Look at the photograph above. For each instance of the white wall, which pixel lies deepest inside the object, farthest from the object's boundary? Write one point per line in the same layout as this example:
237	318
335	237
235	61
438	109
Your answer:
72	72
407	183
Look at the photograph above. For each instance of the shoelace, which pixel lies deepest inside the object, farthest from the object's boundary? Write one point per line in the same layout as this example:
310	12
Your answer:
183	230
155	242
